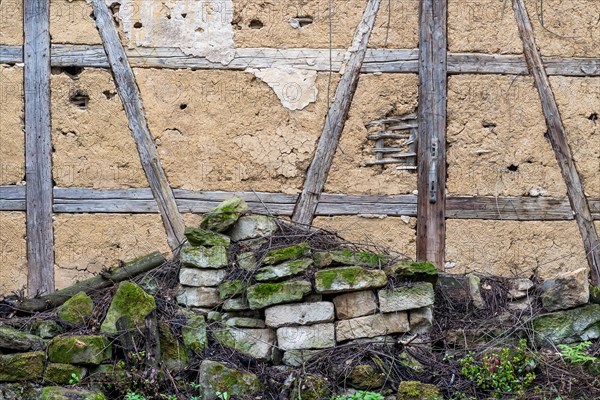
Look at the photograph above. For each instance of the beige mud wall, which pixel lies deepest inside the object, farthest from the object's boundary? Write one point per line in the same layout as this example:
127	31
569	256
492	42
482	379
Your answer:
228	130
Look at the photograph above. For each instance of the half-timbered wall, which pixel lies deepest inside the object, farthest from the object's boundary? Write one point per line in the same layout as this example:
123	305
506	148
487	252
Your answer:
237	102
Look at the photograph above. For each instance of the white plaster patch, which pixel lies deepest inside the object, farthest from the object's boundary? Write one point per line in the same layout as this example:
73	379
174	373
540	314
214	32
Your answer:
295	88
199	28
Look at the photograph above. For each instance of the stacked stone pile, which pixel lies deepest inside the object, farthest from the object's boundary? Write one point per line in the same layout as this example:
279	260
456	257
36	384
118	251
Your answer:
293	301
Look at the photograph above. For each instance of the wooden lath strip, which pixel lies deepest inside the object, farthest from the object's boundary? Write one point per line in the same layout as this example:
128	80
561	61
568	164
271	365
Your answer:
87	200
376	60
316	176
433	81
559	142
38	148
132	103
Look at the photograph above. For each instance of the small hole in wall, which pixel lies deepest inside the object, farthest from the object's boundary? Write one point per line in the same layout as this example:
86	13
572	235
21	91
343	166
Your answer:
137	25
513	168
92	16
71	71
184	15
80	99
182	106
593	117
199	30
168	16
489	125
109	94
256	24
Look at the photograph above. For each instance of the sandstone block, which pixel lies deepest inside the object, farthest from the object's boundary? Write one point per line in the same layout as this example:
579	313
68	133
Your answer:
299	314
356	304
371	326
318	336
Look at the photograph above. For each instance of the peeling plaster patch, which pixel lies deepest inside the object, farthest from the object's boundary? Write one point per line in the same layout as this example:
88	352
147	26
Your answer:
295	88
199	28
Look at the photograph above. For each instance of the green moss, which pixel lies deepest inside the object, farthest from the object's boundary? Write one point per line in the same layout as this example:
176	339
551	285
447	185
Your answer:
413	390
287	253
285	270
77	309
311	387
131	302
413	271
47	329
173	353
22	366
61	374
266	294
11	338
365	376
194	332
231	289
91	350
60	393
204	257
216	377
202	237
595	294
348	257
568	326
348	278
224	215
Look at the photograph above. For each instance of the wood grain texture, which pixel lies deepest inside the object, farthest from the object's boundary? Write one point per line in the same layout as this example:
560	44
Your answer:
559	142
376	60
335	120
132	103
86	200
38	148
433	82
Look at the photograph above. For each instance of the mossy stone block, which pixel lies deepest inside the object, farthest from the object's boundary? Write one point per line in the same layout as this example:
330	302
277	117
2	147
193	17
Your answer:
414	390
194	332
217	377
224	215
203	237
130	302
311	387
61	374
287	253
349	257
267	294
247	261
282	271
365	376
204	257
413	271
569	326
85	350
22	366
61	393
14	339
172	352
231	289
77	309
47	329
348	279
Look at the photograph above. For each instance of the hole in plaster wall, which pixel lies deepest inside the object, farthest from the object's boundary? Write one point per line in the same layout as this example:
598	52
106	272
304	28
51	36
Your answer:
593	117
182	106
513	168
92	16
71	71
489	124
80	99
184	15
168	16
199	30
137	25
301	21
256	24
109	94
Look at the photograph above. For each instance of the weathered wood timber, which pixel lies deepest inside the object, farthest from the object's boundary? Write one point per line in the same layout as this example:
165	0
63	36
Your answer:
38	148
132	103
335	120
433	82
376	60
560	144
78	200
129	270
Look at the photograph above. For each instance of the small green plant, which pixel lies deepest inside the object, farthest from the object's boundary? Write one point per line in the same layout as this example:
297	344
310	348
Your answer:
223	396
75	379
576	353
195	386
504	372
360	395
134	396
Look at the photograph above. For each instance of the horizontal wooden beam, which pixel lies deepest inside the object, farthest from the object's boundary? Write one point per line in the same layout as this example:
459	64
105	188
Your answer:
139	201
376	60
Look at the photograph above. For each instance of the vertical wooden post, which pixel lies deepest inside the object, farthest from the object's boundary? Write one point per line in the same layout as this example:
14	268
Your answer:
431	209
559	142
316	176
38	148
132	103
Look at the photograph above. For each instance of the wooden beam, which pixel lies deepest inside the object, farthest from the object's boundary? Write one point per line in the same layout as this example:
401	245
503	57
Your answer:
433	82
560	144
132	103
376	60
38	148
316	176
505	208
